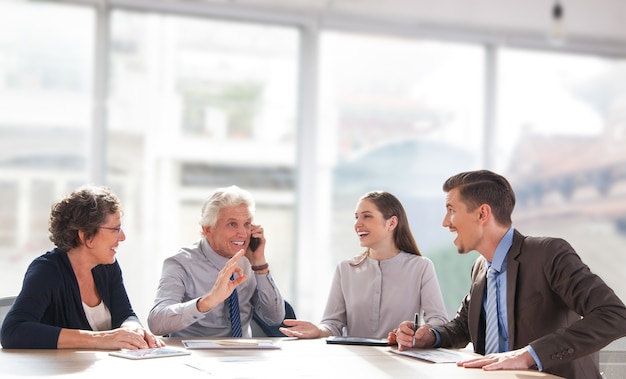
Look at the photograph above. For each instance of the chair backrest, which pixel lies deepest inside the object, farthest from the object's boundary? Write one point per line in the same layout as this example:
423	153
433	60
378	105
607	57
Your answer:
262	329
5	304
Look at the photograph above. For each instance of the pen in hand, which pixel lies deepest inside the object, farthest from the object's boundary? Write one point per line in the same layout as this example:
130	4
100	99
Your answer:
416	321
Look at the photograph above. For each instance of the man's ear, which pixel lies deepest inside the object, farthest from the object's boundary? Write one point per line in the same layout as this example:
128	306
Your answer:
484	212
206	230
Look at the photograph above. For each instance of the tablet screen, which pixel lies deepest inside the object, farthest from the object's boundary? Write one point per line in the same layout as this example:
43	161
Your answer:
343	340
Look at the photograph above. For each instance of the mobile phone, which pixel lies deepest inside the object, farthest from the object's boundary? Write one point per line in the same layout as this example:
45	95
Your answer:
254	243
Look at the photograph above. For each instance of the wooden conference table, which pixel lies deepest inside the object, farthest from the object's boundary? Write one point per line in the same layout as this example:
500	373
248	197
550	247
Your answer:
295	359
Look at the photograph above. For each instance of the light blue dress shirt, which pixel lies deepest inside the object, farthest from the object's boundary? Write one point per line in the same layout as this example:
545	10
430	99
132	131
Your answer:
499	263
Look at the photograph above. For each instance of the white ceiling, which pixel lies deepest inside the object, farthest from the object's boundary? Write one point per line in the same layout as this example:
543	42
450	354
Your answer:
589	21
592	18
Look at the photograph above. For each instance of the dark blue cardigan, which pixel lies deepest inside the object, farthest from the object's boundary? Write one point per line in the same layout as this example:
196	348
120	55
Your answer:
50	300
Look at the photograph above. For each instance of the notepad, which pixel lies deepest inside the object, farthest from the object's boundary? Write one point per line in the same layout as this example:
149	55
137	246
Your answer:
344	340
438	355
232	343
159	352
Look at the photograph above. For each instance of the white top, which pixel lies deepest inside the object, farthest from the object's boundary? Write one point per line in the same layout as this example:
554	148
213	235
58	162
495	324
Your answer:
99	317
373	298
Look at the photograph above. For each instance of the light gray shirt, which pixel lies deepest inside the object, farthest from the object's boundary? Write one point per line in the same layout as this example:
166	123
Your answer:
189	275
373	298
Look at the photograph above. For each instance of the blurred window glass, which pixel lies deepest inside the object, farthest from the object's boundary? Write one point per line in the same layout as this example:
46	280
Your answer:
399	115
195	104
198	103
46	68
561	138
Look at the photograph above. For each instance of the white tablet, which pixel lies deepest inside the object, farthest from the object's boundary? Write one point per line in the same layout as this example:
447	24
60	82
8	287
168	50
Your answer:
158	352
232	343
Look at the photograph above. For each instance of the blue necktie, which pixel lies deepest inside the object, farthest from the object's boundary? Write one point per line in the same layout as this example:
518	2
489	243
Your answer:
491	313
233	311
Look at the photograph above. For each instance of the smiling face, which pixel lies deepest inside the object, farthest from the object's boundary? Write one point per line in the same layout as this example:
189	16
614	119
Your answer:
231	231
465	223
371	226
105	242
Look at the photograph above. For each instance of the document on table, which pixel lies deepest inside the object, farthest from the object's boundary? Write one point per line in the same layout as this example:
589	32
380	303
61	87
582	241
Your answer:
433	355
232	343
158	352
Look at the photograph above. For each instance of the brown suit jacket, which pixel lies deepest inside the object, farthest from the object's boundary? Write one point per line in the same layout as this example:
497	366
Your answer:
548	289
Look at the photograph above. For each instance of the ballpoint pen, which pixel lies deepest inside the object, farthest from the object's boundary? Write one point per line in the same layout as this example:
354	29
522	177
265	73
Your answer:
416	321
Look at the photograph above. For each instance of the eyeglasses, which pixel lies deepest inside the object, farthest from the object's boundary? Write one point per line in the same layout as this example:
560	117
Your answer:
118	230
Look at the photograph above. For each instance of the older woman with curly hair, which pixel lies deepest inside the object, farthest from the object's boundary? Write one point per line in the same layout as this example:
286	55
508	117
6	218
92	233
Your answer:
74	296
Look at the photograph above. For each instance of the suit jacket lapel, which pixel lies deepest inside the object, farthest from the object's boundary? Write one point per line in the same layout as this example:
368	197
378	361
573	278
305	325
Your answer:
476	306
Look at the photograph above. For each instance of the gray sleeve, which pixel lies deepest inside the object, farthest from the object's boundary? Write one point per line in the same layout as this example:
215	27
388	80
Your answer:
432	302
270	303
170	313
334	318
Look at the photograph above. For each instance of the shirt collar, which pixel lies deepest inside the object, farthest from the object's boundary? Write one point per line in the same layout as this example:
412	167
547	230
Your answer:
499	258
214	258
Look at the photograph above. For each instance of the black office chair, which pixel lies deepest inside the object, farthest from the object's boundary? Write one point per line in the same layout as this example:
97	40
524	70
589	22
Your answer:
271	330
5	305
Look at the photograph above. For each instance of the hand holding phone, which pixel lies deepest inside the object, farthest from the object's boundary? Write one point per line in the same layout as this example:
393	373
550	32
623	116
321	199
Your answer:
254	243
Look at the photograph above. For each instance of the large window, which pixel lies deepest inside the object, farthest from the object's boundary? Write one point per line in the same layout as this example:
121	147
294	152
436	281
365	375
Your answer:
399	115
46	60
193	102
197	104
561	139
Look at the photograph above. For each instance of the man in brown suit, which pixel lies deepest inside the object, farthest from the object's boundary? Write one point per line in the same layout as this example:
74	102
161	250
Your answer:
543	290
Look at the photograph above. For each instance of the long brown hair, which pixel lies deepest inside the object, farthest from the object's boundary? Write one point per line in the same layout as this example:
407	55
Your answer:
390	206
